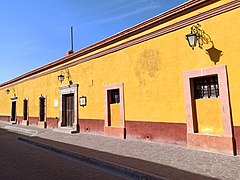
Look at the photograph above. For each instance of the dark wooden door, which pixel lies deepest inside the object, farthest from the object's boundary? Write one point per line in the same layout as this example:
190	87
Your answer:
68	110
42	108
13	114
25	109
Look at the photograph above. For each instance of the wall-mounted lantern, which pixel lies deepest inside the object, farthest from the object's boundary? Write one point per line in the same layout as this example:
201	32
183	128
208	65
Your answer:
83	101
61	77
65	72
8	91
199	36
192	40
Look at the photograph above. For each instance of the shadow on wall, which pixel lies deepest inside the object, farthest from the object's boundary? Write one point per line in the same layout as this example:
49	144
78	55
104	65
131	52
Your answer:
200	37
214	54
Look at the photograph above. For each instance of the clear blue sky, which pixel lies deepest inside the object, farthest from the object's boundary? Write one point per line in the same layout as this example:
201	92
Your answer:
34	33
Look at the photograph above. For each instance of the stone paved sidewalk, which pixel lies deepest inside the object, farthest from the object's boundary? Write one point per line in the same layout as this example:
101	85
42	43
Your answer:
167	160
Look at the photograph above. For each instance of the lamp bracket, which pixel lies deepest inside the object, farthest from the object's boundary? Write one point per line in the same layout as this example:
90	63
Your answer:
66	72
202	36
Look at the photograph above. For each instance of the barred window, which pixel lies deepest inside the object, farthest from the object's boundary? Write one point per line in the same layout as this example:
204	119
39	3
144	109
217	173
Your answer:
114	96
206	87
25	109
42	112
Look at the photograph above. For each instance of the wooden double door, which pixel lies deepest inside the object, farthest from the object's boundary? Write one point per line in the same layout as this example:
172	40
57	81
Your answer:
67	110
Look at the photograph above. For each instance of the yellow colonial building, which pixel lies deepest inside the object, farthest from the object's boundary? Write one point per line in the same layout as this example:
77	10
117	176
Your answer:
172	78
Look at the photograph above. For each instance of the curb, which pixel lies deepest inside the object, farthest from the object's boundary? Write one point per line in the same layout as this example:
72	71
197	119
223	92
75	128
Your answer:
108	166
21	130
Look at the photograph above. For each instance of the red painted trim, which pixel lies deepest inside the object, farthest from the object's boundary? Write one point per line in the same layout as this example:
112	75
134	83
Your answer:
157	131
5	118
19	119
200	140
33	121
153	131
110	130
52	122
107	88
223	91
91	125
148	24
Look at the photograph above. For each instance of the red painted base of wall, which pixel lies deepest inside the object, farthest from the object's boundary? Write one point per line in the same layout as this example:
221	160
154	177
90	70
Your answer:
19	119
52	122
5	118
157	131
33	121
91	125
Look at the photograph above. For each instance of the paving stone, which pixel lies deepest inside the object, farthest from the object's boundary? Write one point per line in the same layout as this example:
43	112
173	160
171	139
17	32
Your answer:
204	163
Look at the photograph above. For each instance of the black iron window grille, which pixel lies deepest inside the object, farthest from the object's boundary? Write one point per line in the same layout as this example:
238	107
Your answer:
25	109
206	87
115	97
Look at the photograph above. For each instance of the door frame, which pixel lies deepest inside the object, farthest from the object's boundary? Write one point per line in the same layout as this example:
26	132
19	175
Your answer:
209	142
25	120
69	89
42	124
64	100
13	99
109	130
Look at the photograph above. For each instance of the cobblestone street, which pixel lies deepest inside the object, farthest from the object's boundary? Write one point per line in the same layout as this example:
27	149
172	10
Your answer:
163	159
18	161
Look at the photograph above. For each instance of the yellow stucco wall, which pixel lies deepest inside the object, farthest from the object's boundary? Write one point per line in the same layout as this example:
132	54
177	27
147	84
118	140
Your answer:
151	72
32	90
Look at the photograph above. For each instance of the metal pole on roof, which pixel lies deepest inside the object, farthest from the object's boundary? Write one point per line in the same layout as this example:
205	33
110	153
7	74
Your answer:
71	38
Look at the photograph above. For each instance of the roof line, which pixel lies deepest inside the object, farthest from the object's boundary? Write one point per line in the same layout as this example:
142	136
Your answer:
152	22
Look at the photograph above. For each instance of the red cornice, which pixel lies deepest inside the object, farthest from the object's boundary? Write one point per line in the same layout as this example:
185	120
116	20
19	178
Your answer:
150	23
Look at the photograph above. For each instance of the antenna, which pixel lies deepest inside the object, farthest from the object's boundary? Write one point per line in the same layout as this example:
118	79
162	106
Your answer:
71	38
